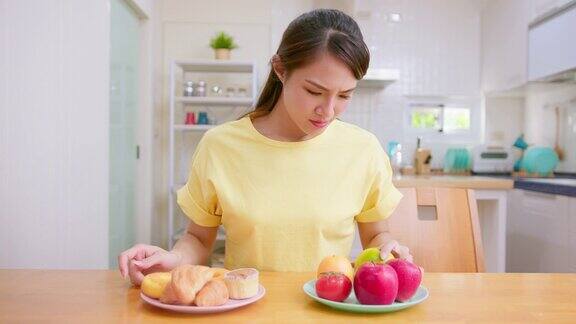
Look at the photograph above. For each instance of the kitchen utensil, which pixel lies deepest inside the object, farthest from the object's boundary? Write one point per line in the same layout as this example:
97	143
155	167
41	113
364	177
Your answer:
422	159
230	304
351	304
557	148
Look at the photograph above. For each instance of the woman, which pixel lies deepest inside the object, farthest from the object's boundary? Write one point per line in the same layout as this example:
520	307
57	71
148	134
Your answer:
289	181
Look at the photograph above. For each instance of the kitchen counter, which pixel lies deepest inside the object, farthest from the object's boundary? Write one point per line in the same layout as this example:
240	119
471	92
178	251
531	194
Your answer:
80	296
555	186
451	181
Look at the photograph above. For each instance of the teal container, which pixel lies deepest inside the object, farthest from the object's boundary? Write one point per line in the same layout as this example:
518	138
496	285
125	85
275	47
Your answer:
539	160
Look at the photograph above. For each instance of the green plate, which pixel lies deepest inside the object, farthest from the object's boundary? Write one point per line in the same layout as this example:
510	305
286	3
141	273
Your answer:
351	304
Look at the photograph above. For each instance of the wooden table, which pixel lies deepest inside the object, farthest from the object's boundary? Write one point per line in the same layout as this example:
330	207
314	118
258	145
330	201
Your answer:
81	296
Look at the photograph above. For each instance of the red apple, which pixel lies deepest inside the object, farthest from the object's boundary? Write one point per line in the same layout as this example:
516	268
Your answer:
334	286
409	278
375	284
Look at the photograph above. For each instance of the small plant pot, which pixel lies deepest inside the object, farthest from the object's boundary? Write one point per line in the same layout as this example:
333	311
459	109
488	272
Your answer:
222	53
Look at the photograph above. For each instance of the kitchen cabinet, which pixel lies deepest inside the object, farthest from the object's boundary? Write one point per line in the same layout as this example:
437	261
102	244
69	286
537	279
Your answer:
504	44
542	7
505	26
541	232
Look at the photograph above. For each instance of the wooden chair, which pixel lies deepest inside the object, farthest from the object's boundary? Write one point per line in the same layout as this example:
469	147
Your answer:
449	242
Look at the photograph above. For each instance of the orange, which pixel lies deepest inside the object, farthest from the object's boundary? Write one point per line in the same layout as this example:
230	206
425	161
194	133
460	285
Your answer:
336	263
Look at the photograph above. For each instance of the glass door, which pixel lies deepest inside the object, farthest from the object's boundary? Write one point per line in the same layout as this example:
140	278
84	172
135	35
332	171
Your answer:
124	46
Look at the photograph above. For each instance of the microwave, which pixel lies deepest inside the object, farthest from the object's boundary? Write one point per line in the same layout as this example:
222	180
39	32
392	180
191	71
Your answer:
492	159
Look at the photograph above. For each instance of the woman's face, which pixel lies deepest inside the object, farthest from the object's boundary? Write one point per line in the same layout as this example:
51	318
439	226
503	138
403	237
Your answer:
317	93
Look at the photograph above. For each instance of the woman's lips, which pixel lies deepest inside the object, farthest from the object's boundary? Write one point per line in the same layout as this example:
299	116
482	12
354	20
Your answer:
319	124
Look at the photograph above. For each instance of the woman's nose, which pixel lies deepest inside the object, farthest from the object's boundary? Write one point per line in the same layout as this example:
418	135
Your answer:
326	110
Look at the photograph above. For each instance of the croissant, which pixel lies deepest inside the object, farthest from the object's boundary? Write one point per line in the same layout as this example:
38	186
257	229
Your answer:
168	296
187	281
214	293
219	272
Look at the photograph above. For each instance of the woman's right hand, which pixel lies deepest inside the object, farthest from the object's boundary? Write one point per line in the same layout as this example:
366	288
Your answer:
141	259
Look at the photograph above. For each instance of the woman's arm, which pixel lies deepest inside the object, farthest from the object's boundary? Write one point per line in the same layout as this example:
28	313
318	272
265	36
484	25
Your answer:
196	245
376	234
193	248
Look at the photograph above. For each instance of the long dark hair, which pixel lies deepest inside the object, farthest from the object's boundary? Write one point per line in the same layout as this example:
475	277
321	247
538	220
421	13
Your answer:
310	34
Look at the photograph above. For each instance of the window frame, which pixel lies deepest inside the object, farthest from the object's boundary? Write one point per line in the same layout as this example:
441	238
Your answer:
471	135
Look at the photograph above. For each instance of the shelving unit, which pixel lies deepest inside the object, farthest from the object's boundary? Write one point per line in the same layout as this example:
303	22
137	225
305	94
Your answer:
178	71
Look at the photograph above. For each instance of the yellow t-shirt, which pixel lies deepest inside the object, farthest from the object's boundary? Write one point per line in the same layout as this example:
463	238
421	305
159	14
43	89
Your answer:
287	205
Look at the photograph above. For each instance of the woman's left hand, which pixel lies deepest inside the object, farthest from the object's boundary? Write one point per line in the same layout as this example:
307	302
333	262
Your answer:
399	251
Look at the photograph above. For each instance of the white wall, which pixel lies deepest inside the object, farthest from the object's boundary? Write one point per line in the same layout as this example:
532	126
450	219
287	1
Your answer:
540	126
436	47
54	133
504	120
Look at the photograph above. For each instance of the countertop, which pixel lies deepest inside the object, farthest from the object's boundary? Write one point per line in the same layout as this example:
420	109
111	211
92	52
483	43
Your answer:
451	181
555	186
81	296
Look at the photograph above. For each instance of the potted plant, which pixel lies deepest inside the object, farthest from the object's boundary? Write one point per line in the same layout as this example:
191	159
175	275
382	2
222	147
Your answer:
222	44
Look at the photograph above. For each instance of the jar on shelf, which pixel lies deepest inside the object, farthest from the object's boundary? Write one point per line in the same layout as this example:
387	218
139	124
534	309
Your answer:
202	118
230	92
190	118
242	92
189	88
200	90
216	91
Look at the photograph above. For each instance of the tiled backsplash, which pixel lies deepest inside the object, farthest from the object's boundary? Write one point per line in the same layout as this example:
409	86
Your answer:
436	47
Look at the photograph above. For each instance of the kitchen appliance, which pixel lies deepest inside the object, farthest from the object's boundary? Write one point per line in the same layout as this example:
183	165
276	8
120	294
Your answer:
492	159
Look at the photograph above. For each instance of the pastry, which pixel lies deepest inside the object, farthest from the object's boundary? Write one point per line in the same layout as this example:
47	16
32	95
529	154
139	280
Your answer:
168	296
154	284
242	283
187	281
219	272
214	293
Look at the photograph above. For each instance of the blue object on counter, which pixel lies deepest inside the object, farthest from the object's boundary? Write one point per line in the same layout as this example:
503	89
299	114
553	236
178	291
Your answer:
457	160
392	147
517	164
539	160
521	143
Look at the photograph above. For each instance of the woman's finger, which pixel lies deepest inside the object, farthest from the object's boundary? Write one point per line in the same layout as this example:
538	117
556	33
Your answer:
150	261
136	275
124	258
138	252
387	248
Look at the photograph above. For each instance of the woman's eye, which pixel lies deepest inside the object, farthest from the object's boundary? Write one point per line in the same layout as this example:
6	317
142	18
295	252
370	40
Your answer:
313	93
345	97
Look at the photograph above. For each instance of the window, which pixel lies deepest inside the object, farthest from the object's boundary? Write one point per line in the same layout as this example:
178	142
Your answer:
439	118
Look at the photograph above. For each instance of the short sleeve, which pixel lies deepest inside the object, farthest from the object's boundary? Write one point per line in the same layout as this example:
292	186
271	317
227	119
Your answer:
197	198
382	196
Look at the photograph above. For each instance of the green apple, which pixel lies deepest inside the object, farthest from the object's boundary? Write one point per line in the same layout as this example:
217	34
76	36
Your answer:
370	255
